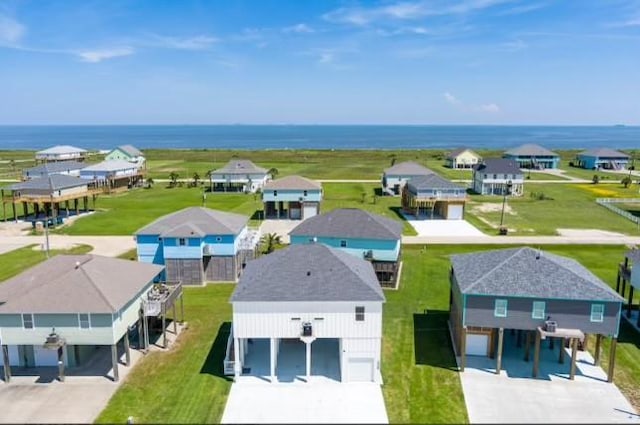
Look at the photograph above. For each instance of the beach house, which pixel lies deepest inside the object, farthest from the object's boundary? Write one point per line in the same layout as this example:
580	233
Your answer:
462	158
396	176
432	196
127	153
307	313
498	176
533	156
602	158
291	197
534	294
198	245
357	232
61	153
238	175
112	174
68	168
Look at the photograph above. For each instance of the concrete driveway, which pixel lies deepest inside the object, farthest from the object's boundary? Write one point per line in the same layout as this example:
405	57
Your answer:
279	227
439	228
515	397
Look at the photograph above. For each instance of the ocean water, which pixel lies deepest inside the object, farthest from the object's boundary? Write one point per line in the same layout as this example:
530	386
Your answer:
258	137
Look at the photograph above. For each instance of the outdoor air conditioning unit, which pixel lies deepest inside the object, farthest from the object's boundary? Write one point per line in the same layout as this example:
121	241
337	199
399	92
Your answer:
208	249
550	325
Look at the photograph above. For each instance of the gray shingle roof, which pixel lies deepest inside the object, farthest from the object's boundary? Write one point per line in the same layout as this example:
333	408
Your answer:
196	221
350	223
530	149
453	154
527	272
61	149
604	152
292	183
98	285
240	166
407	168
310	272
110	165
498	166
431	182
53	167
130	150
52	182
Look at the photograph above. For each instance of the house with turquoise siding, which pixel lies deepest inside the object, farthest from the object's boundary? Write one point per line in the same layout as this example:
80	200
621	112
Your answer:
197	245
291	197
603	158
78	304
357	232
533	156
127	153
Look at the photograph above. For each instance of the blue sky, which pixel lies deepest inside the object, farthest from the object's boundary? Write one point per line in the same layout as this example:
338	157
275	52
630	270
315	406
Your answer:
320	61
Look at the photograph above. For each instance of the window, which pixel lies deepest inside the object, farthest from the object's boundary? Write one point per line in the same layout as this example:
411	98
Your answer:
304	193
500	309
538	310
182	241
359	314
27	321
275	193
505	176
495	176
597	312
343	244
85	322
218	238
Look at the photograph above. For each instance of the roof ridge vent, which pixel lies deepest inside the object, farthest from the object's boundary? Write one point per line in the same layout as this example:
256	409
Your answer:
538	253
77	264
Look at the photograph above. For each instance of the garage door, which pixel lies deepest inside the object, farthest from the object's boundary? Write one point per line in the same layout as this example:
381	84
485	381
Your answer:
294	213
309	211
477	345
455	212
360	369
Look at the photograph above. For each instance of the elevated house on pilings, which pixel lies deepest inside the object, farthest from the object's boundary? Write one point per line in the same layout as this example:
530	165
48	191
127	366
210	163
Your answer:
359	233
534	294
533	156
628	274
61	153
127	153
113	175
603	158
433	196
291	198
395	177
238	175
68	168
53	197
69	309
305	313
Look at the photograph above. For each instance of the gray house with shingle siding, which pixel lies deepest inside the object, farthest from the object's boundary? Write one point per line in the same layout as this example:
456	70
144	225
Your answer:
522	289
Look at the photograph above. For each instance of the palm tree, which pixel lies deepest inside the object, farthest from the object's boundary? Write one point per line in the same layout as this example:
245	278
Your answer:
273	172
269	242
626	182
174	178
196	179
149	182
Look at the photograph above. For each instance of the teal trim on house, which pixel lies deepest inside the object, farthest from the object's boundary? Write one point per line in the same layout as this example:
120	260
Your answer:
533	161
381	250
291	195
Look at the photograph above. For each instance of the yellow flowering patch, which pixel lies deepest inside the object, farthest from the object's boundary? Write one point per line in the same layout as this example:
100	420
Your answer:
599	191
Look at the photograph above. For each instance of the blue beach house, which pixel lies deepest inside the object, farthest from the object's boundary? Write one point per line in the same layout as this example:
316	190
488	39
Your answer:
359	233
603	158
198	244
292	197
533	156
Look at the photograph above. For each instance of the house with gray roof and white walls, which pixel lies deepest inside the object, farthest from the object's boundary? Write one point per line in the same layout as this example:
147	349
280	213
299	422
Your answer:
395	177
238	175
498	176
305	313
68	168
536	294
198	245
61	153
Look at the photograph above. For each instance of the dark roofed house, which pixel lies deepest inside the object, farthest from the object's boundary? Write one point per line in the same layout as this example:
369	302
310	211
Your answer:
462	158
396	176
533	156
359	233
239	175
605	158
307	299
198	244
425	196
498	176
69	168
292	197
536	293
87	300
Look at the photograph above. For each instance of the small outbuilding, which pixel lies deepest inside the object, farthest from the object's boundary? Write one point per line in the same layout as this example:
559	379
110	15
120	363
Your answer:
602	158
433	196
307	311
533	156
537	294
61	153
395	177
462	158
292	198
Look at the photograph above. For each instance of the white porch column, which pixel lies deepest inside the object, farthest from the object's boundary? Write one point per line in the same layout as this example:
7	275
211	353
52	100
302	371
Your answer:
308	345
237	367
273	357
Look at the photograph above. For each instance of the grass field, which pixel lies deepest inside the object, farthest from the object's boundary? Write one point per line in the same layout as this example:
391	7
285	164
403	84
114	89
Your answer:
16	261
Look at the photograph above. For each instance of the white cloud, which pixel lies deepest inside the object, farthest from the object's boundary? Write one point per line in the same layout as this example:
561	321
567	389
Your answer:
299	29
95	56
491	108
200	42
633	22
451	99
11	31
518	10
515	45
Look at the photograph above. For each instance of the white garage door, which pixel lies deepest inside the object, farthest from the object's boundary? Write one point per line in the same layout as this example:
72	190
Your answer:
477	345
455	212
309	211
45	357
360	369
